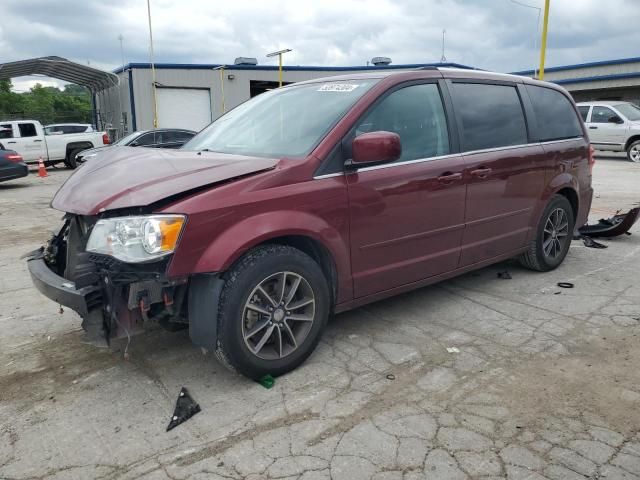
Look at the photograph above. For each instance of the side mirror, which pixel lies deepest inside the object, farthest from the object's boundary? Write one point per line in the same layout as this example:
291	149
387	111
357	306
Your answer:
615	119
133	144
373	148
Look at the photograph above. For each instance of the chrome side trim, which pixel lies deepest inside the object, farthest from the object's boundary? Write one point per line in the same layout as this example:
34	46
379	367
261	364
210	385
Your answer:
564	140
329	175
406	162
498	149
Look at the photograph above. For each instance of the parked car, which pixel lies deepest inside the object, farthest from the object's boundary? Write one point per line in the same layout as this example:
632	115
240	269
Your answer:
159	138
317	198
613	126
12	166
27	137
67	128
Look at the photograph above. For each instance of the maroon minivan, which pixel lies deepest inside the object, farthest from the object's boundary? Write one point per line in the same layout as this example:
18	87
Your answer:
314	199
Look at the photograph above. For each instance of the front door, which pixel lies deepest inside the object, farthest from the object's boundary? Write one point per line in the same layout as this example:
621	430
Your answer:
27	142
602	131
505	174
407	217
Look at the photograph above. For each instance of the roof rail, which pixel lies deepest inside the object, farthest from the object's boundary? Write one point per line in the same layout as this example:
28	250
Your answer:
429	67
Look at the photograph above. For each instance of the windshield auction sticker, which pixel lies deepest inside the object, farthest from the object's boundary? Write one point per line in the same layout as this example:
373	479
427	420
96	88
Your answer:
338	87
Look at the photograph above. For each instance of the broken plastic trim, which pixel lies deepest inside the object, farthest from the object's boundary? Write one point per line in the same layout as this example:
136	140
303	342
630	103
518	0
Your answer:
186	408
612	227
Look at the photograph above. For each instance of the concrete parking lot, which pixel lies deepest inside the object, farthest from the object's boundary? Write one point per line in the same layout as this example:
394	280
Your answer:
543	382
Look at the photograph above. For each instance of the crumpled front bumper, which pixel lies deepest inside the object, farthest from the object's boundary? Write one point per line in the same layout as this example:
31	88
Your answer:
61	290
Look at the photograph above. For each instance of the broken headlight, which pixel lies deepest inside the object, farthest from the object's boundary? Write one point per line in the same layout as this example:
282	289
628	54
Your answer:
136	239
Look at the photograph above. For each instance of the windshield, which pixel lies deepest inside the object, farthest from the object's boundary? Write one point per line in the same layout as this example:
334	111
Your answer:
129	138
285	122
629	110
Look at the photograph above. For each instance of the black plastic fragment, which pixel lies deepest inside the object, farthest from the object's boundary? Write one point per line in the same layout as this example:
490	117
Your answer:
504	275
186	408
591	243
565	284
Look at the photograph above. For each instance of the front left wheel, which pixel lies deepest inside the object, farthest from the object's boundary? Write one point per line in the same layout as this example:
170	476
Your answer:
633	152
272	311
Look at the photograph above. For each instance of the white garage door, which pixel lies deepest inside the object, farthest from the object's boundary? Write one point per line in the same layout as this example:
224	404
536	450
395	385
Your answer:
183	108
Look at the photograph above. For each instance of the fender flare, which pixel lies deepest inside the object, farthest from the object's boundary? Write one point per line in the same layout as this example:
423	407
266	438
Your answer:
233	242
74	145
559	182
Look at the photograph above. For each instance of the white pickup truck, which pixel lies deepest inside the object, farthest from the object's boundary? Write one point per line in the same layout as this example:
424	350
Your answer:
27	137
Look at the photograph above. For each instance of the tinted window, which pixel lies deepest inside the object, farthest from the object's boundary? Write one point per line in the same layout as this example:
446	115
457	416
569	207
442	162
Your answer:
555	116
27	129
6	131
491	115
601	114
180	136
149	139
416	114
584	111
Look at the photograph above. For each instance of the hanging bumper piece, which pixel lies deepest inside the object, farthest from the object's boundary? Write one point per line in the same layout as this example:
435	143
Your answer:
619	224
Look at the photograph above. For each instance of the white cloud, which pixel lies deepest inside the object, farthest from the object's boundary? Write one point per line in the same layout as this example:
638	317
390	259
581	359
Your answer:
491	34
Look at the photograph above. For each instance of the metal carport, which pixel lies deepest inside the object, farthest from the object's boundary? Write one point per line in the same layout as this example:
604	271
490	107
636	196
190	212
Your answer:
57	67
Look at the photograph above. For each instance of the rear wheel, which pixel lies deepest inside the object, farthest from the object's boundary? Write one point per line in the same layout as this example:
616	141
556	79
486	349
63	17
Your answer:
553	236
273	309
633	152
70	160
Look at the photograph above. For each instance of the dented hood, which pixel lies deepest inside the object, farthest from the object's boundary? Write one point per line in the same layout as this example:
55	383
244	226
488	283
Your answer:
132	177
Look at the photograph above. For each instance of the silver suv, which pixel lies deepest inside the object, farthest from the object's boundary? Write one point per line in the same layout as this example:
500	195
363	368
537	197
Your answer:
613	126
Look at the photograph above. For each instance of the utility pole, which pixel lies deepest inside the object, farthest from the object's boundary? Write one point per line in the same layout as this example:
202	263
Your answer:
121	132
153	69
543	45
443	59
279	54
221	68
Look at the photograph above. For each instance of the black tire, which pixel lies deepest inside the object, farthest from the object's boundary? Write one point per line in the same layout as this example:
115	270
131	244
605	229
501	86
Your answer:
241	282
70	160
633	152
537	258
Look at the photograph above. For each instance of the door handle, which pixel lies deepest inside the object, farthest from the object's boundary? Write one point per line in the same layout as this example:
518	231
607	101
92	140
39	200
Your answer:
11	142
35	141
593	128
449	177
481	172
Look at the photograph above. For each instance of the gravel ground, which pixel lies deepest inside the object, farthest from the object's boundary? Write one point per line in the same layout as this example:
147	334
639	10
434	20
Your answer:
544	383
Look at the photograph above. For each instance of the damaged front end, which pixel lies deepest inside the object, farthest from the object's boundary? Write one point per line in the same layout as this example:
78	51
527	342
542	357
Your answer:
114	298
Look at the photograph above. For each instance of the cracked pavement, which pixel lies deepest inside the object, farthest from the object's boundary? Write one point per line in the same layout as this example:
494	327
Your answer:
545	383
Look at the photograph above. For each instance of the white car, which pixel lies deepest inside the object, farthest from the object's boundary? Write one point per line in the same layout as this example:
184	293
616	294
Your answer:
28	138
613	126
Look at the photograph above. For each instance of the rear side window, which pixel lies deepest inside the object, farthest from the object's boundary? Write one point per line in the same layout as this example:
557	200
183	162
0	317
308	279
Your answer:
555	115
491	115
6	131
584	112
27	129
417	115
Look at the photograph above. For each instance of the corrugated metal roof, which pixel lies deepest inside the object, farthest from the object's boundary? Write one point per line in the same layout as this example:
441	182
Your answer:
286	68
62	69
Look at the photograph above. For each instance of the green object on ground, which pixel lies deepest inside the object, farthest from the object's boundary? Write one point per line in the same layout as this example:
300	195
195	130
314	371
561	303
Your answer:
267	381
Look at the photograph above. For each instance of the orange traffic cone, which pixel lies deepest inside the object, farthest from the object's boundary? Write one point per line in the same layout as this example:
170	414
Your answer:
42	171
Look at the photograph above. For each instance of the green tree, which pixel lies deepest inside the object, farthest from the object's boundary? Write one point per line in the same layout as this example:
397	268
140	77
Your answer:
46	104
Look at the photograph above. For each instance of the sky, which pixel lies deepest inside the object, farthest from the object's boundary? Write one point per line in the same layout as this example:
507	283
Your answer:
495	35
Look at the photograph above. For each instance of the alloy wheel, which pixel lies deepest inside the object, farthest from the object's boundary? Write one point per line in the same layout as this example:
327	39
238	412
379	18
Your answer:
634	153
278	315
556	233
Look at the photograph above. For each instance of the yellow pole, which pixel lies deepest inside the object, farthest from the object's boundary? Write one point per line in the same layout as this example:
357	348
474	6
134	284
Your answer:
153	70
222	88
280	70
543	46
